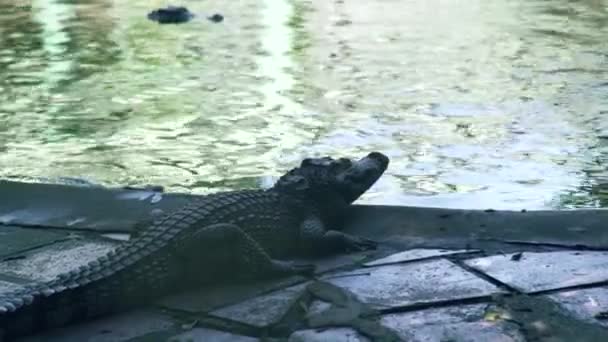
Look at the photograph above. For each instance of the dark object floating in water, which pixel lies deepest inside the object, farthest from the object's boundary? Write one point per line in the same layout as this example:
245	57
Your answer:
216	18
171	15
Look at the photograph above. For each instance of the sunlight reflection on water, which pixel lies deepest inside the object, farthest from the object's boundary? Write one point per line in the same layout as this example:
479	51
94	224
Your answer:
479	104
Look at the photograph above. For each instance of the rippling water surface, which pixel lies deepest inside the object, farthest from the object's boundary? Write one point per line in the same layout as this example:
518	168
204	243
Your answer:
479	103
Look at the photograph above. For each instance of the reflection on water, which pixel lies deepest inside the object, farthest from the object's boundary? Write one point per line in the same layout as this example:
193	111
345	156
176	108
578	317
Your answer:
480	104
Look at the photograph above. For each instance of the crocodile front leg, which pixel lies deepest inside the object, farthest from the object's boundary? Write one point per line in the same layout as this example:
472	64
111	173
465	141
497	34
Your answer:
316	238
231	249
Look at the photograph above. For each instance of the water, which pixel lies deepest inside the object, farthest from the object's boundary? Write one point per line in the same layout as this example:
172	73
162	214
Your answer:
478	103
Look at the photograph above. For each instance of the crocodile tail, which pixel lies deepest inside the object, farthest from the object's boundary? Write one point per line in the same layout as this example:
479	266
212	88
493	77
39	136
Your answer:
19	310
68	298
106	285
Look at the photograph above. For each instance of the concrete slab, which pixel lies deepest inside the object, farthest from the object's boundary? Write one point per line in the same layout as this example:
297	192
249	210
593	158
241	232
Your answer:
202	334
542	319
415	254
46	263
126	327
405	284
401	225
103	209
330	335
264	310
534	272
15	239
458	323
590	305
94	208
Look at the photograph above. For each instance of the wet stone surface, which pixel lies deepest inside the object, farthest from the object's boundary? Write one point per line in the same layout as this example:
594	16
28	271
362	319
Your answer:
119	328
421	282
461	323
203	334
415	254
590	305
330	335
534	272
442	300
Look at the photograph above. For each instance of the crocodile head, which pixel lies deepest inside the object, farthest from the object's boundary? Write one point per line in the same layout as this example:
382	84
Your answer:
332	179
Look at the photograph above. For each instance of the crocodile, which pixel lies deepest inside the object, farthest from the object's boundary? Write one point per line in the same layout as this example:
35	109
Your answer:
233	236
171	15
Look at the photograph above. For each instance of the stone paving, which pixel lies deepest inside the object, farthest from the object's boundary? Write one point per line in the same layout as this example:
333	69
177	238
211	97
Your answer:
478	292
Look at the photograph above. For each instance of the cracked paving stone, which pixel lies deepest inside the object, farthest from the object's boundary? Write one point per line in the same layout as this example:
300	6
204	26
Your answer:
415	254
535	272
46	263
542	319
457	323
264	310
330	335
137	325
406	284
590	305
203	334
